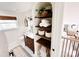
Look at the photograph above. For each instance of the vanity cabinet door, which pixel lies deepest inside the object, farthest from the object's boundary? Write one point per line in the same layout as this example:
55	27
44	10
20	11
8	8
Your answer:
29	42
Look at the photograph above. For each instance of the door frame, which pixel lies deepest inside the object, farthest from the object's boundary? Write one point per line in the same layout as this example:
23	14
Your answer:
57	22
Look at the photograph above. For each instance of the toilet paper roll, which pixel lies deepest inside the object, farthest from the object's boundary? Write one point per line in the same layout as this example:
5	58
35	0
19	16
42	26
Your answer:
40	32
47	34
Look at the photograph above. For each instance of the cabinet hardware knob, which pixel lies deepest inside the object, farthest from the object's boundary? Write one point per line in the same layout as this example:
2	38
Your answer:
53	49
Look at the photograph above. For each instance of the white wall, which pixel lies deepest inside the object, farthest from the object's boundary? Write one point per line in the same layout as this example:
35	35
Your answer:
3	45
71	13
12	37
20	18
21	27
7	37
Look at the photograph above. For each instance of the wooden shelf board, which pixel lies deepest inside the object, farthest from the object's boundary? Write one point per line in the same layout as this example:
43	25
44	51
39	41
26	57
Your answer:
49	39
37	26
45	43
45	28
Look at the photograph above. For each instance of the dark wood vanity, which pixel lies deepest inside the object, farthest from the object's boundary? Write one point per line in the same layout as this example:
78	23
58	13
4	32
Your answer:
29	42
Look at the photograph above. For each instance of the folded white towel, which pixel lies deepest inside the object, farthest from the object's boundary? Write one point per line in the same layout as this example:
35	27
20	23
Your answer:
44	24
43	51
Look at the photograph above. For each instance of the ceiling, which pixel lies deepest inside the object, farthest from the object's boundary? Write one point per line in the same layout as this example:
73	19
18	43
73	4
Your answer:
16	6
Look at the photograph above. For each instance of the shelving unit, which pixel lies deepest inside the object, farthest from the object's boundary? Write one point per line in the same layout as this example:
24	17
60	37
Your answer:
44	41
43	16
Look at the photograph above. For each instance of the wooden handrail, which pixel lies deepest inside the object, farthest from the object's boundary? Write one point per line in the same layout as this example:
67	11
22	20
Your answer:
7	18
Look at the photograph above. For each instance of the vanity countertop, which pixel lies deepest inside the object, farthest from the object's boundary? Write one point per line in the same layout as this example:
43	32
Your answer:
29	34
